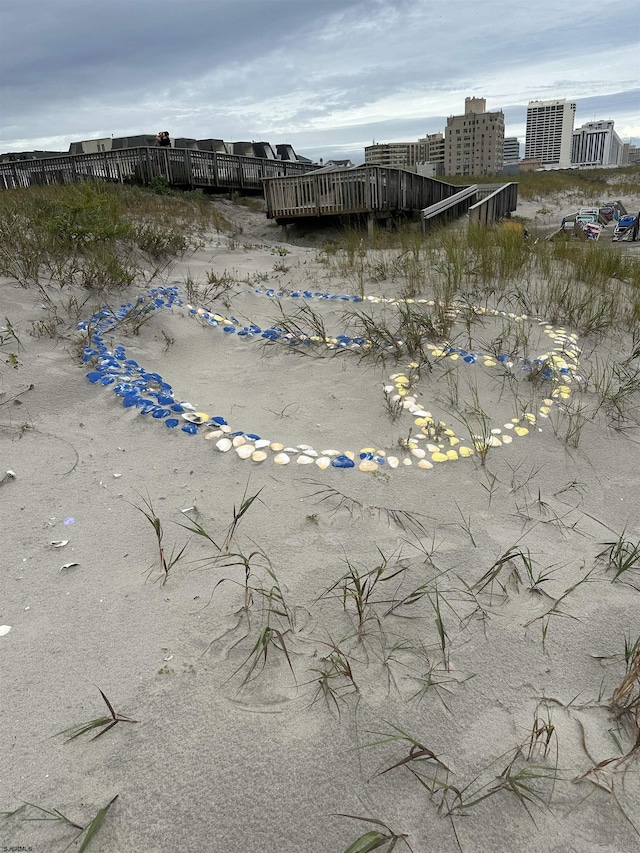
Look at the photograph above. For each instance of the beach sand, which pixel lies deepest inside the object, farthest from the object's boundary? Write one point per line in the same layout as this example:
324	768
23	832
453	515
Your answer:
224	757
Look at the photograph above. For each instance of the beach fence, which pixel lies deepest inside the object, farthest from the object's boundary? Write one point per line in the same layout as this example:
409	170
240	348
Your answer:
184	168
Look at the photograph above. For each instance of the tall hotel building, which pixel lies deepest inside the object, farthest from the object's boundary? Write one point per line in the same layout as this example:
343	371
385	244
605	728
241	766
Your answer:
550	132
596	144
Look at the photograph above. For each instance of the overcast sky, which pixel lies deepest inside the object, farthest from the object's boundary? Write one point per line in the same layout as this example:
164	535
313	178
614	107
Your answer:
327	76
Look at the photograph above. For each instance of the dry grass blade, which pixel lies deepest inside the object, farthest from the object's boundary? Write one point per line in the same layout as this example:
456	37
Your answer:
256	660
238	515
91	828
374	839
404	519
105	723
166	562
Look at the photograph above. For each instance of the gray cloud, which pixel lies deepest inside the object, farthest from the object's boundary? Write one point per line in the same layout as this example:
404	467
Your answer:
330	74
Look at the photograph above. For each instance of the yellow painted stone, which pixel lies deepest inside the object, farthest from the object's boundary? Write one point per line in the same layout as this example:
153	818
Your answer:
465	452
529	416
368	450
521	431
489	362
452	456
439	457
545	410
453	440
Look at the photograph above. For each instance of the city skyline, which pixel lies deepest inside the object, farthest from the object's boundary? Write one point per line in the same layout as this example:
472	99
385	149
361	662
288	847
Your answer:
328	78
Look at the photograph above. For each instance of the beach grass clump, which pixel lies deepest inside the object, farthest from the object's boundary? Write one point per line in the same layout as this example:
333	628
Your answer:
167	560
362	590
621	556
101	236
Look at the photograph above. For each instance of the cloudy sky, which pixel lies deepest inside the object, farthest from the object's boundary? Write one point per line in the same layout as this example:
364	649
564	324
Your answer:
327	76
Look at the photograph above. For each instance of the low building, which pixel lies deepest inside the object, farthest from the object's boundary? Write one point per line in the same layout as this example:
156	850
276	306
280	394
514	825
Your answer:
396	155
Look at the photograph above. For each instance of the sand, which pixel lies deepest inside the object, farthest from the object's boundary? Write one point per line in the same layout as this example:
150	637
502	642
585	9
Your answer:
213	764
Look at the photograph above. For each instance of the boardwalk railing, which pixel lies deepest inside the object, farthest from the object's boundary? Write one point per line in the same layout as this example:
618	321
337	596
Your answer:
374	190
498	204
455	204
181	167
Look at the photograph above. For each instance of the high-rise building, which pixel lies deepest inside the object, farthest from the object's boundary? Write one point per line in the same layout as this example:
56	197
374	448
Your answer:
596	144
474	142
511	155
550	132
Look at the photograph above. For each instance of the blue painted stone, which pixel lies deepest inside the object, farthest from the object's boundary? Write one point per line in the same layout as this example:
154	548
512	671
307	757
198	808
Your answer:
94	376
161	413
252	436
164	399
366	456
220	421
190	429
229	329
130	400
107	380
342	462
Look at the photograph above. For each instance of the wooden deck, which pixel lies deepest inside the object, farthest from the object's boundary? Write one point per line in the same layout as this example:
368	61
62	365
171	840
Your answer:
377	191
181	167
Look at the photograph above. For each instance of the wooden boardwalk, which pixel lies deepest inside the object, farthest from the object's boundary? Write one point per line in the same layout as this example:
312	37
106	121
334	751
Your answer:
377	191
181	167
382	193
